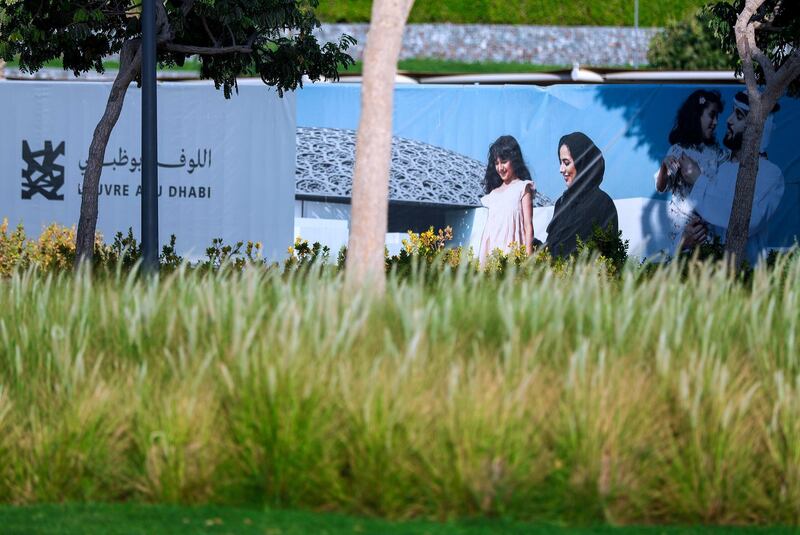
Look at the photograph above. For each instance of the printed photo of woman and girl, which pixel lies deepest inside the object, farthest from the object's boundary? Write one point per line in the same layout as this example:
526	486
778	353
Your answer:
509	198
698	171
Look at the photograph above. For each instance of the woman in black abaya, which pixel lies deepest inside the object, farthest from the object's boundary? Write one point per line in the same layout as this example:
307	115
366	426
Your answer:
583	206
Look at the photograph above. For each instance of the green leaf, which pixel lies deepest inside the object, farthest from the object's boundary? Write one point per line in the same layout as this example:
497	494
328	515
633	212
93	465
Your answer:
81	15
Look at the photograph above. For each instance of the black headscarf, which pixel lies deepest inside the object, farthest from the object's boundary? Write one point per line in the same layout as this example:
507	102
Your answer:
583	205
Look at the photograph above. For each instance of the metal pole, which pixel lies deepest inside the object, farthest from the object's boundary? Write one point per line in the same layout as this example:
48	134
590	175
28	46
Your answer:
149	140
636	30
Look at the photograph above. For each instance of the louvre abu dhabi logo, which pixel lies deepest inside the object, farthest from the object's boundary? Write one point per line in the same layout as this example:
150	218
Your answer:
42	175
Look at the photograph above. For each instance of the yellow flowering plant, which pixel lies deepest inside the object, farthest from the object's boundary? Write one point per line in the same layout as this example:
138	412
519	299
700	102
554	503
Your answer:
302	254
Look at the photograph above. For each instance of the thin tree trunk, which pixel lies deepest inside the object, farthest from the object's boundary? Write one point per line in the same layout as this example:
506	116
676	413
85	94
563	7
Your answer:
761	102
739	222
130	61
365	255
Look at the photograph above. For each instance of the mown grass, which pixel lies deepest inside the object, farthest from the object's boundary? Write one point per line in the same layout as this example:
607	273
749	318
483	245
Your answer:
111	65
130	519
410	65
438	66
558	396
423	65
544	12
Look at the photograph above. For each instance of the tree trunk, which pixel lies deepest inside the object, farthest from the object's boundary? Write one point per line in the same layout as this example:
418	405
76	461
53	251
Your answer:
365	254
739	222
130	61
761	102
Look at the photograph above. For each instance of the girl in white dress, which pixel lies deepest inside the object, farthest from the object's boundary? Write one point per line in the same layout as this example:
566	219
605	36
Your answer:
509	198
694	152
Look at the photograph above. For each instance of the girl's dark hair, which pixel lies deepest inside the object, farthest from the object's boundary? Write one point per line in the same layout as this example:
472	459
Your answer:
686	131
505	148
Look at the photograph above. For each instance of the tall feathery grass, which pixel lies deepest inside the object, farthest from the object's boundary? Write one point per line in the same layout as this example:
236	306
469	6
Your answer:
671	398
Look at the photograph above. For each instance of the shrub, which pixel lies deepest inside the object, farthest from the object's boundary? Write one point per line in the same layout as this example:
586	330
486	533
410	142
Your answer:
687	44
608	246
233	256
429	248
54	250
13	252
428	251
538	12
302	255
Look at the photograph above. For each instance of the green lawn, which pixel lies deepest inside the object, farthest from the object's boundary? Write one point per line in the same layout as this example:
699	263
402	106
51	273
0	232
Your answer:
110	65
439	66
427	66
545	12
174	520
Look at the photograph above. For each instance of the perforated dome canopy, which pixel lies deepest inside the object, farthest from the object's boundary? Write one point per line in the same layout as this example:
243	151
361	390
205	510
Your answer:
420	172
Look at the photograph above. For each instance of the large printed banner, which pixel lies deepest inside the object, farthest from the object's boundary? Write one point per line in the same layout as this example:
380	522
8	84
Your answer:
226	167
630	125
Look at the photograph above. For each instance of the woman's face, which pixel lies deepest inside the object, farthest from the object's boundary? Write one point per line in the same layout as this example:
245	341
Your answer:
504	169
708	121
567	167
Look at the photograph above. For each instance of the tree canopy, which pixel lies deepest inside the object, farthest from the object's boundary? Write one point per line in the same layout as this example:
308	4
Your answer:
776	32
269	38
687	44
762	38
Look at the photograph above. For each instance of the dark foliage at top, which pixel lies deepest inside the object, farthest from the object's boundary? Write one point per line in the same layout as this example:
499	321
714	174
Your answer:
688	44
269	38
777	33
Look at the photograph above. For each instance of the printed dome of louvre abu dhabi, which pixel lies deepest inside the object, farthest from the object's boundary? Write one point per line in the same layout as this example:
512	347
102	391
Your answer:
420	172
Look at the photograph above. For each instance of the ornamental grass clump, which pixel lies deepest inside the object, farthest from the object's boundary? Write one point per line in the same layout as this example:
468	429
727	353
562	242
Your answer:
670	398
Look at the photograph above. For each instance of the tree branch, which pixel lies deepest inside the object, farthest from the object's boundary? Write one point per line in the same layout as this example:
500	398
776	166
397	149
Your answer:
120	12
766	22
130	58
186	7
768	27
207	50
765	63
163	28
747	66
750	32
745	43
789	70
208	31
776	10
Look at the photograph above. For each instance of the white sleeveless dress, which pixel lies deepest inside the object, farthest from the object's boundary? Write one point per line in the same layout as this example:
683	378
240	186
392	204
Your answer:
504	224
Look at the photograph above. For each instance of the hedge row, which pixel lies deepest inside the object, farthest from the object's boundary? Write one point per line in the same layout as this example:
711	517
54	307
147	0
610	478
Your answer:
544	12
